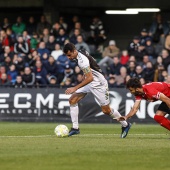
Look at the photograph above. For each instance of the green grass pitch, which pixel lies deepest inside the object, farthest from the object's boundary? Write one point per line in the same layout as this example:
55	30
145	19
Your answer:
33	146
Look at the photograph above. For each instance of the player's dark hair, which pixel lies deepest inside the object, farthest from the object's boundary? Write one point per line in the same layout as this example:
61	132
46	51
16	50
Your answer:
69	47
133	83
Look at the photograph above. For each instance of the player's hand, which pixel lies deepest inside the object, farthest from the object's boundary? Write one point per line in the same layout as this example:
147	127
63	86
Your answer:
122	118
70	90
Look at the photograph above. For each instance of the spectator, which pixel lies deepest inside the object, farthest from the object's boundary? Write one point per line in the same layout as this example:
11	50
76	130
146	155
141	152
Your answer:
164	76
120	79
4	81
114	69
68	73
139	53
145	61
144	36
53	82
3	70
109	53
4	39
26	37
124	58
7	53
34	42
139	72
131	69
127	78
159	28
55	29
133	46
21	47
62	61
12	38
19	63
142	80
19	26
32	58
77	71
51	67
6	24
28	77
132	58
150	50
81	30
73	37
81	45
166	60
19	82
57	51
98	35
42	49
45	57
12	72
43	24
159	67
7	62
149	72
63	23
67	83
112	82
50	45
45	35
79	79
40	74
61	37
31	26
75	19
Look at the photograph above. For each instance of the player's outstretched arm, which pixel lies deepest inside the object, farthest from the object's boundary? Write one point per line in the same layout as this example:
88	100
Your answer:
132	111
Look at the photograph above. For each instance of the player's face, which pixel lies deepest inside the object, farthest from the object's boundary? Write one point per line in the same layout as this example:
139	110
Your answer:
71	55
135	91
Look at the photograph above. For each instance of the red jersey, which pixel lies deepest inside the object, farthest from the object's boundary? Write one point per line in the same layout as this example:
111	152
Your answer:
153	90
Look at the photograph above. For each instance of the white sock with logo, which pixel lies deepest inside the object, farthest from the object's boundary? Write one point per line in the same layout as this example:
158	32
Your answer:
74	111
115	114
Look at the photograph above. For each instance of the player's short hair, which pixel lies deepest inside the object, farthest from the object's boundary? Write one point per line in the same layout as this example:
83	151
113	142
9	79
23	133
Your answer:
69	47
133	83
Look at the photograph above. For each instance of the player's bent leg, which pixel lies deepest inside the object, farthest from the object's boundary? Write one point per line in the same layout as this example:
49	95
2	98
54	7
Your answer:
115	114
163	121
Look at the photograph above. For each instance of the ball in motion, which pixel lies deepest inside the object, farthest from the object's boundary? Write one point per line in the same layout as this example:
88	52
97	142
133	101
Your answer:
61	131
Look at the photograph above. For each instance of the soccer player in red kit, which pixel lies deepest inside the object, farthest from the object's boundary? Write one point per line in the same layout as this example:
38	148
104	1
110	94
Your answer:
152	92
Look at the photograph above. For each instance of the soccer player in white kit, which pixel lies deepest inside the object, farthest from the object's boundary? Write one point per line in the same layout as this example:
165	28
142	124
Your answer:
94	82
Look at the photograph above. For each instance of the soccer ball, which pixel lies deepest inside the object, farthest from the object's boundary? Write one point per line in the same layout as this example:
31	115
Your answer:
61	131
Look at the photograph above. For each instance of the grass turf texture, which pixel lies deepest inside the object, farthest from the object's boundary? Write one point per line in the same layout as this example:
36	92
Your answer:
33	146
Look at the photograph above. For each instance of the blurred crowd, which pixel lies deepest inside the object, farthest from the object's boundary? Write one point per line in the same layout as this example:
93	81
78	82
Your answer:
31	53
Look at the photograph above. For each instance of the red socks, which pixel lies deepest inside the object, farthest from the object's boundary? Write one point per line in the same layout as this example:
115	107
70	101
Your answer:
163	121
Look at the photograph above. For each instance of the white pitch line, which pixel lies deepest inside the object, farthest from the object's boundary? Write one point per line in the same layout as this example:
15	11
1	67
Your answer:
86	135
119	134
39	136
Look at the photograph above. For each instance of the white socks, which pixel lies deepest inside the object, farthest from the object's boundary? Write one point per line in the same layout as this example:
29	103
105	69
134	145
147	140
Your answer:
115	114
74	111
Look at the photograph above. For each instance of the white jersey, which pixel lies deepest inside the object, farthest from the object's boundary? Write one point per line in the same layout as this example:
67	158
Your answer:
84	60
99	86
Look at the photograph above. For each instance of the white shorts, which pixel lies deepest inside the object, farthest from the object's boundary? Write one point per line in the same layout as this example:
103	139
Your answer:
101	93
